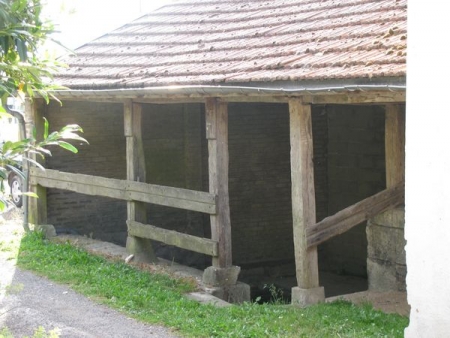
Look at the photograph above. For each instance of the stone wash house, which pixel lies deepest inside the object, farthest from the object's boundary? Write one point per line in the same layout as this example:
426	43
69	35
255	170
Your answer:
246	138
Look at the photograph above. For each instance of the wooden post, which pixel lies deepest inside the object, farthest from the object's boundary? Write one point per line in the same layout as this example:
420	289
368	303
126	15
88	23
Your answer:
37	207
217	135
303	204
395	145
136	211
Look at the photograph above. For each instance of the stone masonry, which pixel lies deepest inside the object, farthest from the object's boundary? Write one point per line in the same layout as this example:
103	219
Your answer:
386	261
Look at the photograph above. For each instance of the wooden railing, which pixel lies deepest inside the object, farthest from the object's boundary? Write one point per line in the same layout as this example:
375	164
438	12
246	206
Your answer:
355	214
135	191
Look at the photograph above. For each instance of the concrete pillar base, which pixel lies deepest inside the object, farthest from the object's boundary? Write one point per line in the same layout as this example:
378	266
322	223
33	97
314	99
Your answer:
235	294
213	276
142	250
304	297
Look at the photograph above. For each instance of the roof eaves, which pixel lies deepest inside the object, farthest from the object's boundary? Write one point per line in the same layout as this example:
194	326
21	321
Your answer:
263	89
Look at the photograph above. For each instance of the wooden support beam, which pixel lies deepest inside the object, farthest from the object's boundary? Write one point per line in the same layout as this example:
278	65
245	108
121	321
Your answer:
125	190
37	207
324	97
136	171
170	237
395	144
357	97
353	215
303	193
217	135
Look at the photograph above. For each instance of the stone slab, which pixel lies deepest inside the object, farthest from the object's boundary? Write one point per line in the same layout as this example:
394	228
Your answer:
207	298
47	229
236	294
142	250
383	242
381	275
213	276
394	218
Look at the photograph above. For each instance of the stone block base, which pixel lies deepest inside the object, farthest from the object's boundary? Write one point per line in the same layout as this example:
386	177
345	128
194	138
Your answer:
142	250
386	276
235	294
47	229
304	297
213	276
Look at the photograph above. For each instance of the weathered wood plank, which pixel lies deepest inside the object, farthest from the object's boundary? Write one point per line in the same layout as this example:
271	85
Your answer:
126	190
78	187
140	187
395	145
303	193
324	97
217	134
353	215
142	248
170	237
177	193
37	207
167	201
357	97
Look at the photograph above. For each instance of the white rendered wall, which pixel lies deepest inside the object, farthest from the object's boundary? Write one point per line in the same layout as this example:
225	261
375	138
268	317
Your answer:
427	228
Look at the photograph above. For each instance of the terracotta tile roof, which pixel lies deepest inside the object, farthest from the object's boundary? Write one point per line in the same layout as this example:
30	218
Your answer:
226	42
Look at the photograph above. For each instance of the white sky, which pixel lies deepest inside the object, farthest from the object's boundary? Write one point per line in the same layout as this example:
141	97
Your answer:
81	21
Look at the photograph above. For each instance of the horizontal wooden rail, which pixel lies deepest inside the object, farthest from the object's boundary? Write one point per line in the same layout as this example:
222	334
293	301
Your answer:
126	190
353	215
170	237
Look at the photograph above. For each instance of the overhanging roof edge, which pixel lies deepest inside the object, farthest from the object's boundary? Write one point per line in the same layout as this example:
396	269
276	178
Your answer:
210	90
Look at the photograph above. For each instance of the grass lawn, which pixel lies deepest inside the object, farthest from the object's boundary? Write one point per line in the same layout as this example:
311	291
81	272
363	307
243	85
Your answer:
158	298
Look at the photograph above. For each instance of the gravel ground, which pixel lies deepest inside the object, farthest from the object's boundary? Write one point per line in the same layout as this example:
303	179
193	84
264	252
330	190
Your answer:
28	301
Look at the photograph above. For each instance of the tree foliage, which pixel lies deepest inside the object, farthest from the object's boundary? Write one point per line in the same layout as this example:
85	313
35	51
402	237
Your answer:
12	154
22	33
23	69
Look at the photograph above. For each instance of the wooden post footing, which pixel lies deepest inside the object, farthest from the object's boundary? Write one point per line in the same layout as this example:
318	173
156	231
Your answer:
214	276
142	250
304	297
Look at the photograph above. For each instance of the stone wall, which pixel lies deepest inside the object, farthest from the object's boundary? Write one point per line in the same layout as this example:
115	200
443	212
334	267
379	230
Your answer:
386	261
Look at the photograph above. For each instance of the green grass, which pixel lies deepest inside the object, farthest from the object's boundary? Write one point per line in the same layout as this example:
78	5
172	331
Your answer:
158	298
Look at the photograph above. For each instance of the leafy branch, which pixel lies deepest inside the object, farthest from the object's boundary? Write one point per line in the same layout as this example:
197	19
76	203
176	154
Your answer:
12	154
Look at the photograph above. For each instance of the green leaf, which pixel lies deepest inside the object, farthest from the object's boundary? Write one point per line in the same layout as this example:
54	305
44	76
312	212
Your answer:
30	194
68	146
45	128
22	50
17	171
37	164
3	204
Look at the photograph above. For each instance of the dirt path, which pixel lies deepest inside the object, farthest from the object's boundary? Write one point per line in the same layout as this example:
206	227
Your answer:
28	301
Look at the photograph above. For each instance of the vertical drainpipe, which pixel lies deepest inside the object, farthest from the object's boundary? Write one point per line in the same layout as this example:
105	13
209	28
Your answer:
23	132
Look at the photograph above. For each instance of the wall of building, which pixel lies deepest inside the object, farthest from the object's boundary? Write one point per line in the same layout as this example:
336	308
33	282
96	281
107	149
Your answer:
173	137
348	158
102	123
356	170
427	228
260	184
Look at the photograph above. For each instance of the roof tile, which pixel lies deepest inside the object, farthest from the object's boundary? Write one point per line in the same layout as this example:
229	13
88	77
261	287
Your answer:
211	42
